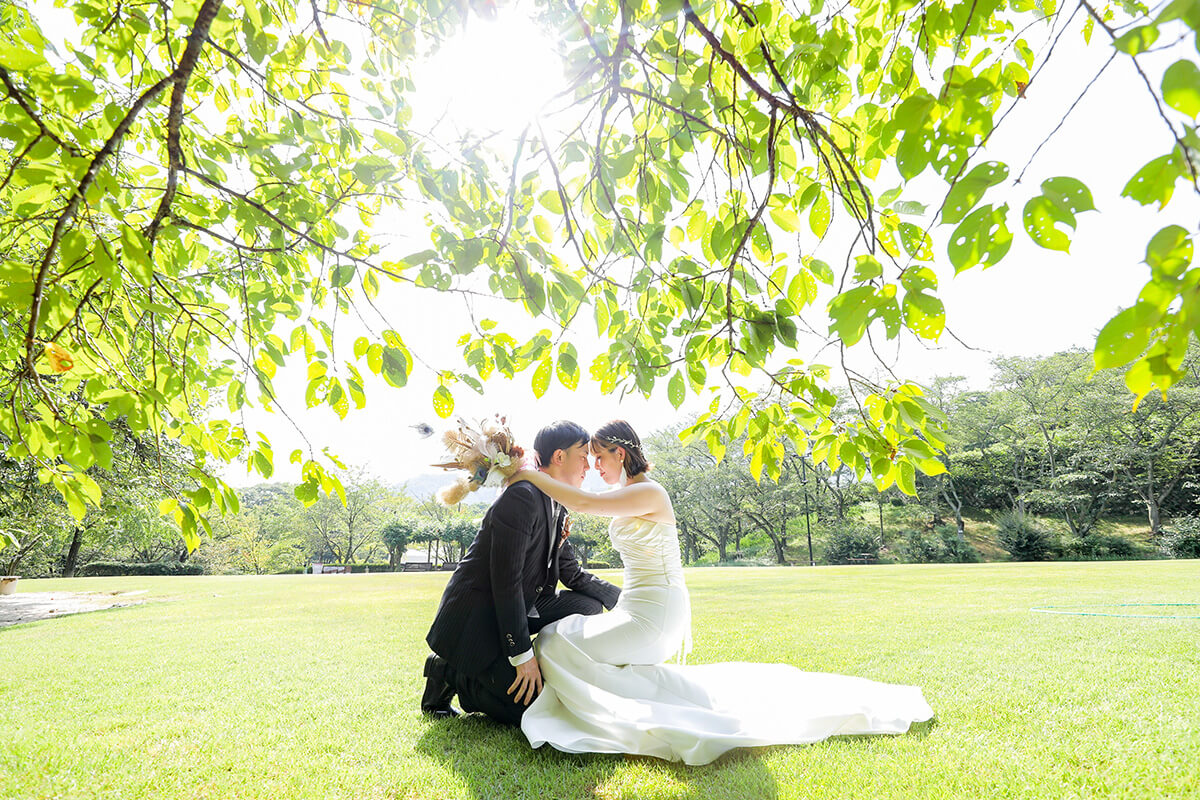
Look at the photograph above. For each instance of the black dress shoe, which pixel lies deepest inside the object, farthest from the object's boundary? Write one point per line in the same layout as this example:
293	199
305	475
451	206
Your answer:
436	699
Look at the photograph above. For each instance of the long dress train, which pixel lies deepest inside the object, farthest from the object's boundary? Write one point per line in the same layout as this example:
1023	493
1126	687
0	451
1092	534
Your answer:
608	690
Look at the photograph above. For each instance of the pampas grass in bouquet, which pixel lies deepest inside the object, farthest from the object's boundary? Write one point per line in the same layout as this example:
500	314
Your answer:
487	453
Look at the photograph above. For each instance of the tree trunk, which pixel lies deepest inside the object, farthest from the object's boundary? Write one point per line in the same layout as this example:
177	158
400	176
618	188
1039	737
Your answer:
73	553
780	543
879	502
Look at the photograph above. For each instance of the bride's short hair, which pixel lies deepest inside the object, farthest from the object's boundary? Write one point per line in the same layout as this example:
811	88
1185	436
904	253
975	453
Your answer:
620	433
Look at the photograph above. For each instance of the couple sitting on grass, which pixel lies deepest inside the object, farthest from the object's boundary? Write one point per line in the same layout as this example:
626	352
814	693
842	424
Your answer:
594	682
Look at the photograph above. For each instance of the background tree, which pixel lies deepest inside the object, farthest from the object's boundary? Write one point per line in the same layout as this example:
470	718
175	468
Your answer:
396	536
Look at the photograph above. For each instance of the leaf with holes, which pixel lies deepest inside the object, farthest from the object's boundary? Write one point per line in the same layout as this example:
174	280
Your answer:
969	189
443	402
1069	194
916	241
676	389
1124	337
849	312
924	315
982	238
1041	216
541	377
819	216
1155	182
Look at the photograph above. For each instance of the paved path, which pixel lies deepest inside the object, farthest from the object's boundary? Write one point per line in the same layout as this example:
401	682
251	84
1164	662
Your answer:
32	606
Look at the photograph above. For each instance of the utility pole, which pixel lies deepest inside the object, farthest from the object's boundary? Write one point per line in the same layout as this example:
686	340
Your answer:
807	525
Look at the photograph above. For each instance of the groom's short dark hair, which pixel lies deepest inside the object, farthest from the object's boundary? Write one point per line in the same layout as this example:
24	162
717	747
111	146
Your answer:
561	435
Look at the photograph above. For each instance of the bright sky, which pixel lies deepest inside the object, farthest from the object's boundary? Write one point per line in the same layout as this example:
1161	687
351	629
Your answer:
1035	302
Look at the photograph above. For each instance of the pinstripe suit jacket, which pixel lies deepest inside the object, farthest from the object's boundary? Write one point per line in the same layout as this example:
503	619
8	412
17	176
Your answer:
486	606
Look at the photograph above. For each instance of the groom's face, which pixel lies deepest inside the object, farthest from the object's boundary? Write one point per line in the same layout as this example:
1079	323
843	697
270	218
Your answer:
574	465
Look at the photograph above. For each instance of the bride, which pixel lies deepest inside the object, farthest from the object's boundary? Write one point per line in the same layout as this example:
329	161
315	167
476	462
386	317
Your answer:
607	686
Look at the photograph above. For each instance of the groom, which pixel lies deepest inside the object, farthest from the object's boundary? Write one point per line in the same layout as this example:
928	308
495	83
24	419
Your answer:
504	590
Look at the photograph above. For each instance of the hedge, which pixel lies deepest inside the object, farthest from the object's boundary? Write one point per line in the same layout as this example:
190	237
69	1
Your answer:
111	569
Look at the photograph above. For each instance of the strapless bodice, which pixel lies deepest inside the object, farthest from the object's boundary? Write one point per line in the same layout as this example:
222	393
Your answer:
649	550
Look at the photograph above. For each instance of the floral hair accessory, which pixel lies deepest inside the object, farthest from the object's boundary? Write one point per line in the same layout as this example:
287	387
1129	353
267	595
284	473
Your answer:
623	442
488	454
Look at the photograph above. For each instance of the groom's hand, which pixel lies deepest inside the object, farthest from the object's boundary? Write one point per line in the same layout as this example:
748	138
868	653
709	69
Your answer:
528	684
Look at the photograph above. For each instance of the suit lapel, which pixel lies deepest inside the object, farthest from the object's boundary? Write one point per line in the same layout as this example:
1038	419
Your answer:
551	533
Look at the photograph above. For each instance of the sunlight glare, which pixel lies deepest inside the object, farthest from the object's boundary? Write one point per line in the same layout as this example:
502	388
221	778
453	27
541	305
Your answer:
493	76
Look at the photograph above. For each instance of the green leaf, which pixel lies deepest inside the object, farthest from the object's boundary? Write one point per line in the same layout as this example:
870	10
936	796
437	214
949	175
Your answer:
982	238
135	257
17	56
867	268
568	369
394	366
786	218
931	466
443	402
849	313
906	478
1170	251
1155	182
1040	216
542	226
307	492
1070	195
1138	40
924	315
541	377
969	190
1124	337
372	170
820	215
1181	87
822	270
916	241
676	389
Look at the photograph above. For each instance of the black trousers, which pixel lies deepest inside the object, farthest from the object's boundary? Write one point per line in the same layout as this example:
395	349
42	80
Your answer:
488	691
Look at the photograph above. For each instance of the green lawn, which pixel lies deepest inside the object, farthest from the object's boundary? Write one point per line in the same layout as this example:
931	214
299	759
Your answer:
307	687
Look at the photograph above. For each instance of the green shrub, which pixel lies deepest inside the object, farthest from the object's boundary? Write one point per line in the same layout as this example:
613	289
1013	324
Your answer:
110	569
1182	538
939	546
958	551
850	542
922	547
1023	538
1101	547
355	569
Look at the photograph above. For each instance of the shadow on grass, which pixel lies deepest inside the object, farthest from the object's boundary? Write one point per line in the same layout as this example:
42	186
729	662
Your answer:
495	761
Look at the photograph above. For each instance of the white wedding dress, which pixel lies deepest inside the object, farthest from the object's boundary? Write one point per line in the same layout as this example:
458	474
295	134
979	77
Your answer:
608	690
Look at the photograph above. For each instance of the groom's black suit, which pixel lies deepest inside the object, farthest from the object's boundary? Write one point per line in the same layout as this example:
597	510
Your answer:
504	591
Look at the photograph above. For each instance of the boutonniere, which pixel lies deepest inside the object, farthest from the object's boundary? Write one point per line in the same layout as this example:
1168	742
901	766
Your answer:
566	531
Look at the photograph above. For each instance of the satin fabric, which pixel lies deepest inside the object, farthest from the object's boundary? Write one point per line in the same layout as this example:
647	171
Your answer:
609	690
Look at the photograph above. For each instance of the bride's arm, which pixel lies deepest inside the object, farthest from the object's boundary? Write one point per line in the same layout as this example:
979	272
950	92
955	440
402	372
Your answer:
637	500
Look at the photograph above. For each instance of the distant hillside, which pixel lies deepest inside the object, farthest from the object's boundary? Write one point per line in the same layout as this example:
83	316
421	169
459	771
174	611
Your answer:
422	486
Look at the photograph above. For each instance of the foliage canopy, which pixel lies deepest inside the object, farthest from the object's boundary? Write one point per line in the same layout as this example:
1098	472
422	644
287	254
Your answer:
189	190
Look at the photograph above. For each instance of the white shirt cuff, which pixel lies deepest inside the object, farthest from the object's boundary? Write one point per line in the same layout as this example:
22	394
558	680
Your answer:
521	658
